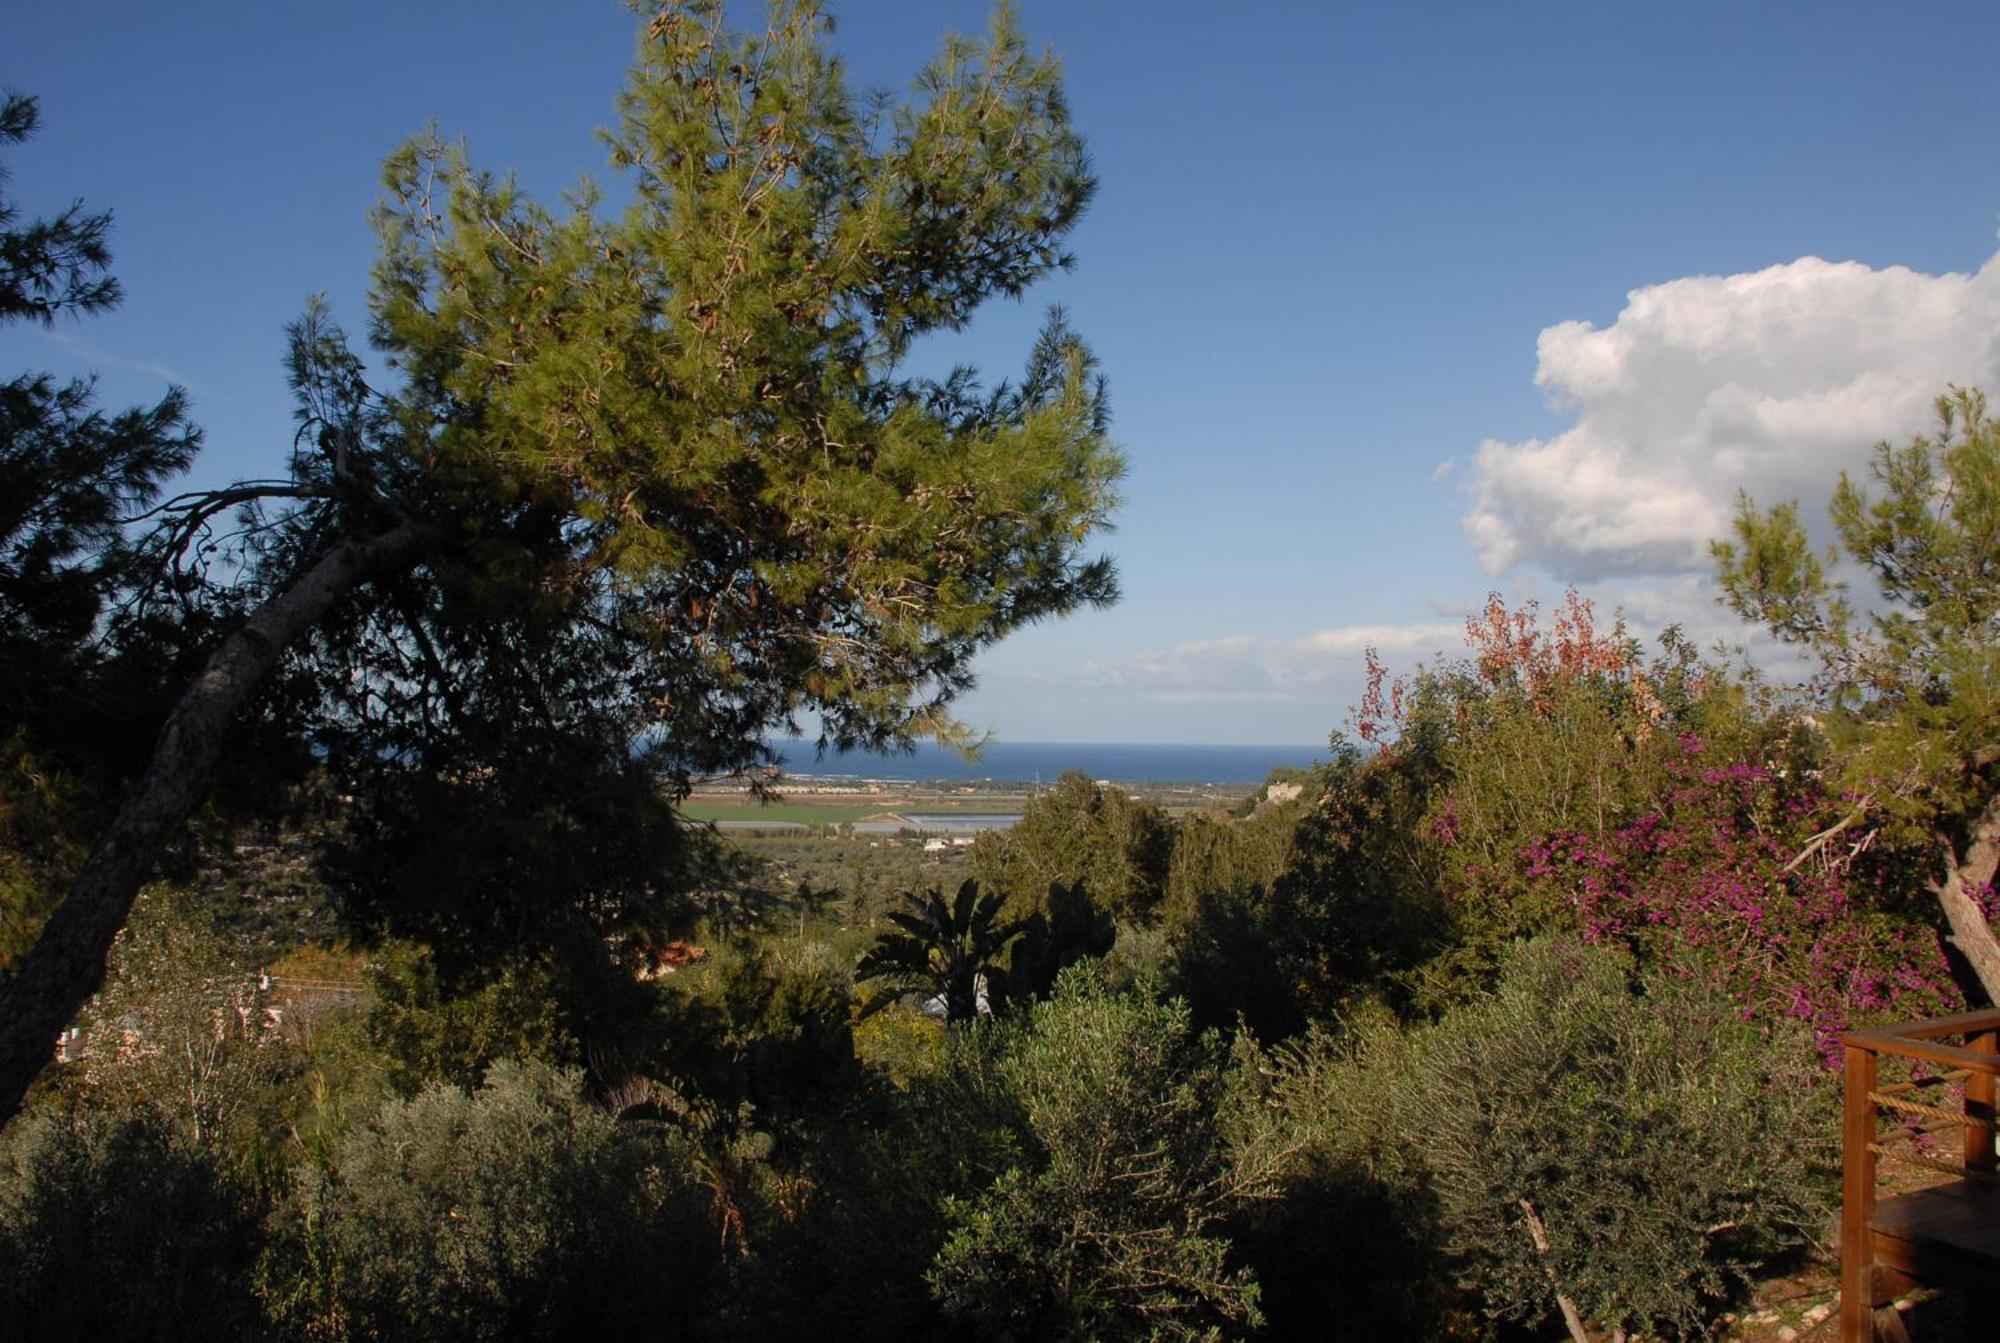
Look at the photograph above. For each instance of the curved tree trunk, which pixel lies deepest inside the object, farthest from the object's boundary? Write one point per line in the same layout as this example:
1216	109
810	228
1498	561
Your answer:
67	963
1971	932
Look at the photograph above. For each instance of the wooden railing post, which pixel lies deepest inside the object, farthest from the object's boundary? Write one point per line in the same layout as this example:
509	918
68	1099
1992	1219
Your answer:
1982	1304
1857	1207
1979	1100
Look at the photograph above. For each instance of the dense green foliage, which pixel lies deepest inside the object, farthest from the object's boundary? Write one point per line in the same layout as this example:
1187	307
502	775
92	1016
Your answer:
112	1227
418	1031
1098	1157
1654	1143
1657	1145
945	948
1106	1228
1213	852
517	1211
1115	846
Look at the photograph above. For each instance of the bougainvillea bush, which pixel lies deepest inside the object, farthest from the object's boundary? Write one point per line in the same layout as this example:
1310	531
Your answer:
1741	876
1676	807
1539	730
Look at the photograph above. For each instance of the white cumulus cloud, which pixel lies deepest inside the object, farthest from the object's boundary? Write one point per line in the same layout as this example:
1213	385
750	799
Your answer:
1771	382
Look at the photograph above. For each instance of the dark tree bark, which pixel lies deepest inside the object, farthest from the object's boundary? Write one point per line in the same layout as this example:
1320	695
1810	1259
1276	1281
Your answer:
67	964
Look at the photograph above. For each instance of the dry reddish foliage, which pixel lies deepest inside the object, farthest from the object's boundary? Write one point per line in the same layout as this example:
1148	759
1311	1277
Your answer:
1510	646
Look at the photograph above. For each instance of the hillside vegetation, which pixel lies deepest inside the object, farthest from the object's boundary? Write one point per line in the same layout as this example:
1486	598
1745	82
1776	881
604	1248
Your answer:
368	973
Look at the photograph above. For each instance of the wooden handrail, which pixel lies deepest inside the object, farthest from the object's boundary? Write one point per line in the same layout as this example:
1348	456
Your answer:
1928	1051
1919	1040
1930	1028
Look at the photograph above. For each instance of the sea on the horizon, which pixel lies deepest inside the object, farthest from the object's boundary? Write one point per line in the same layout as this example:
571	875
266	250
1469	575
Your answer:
1029	761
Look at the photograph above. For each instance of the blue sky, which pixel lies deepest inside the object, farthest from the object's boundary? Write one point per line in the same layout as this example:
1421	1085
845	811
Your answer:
1399	302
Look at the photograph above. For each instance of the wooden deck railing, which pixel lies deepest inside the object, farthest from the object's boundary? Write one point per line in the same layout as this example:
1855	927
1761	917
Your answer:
1947	1231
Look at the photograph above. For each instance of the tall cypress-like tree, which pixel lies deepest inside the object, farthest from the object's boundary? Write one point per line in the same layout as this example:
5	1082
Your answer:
656	477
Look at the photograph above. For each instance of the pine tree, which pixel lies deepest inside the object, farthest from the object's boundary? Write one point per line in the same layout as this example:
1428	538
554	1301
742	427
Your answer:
70	473
658	472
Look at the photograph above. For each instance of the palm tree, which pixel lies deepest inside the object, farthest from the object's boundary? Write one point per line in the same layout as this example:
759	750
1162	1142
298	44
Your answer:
947	949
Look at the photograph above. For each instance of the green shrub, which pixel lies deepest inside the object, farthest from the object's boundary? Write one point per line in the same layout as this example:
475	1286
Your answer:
1217	852
518	1211
110	1228
1661	1145
1350	914
426	1031
1232	958
177	1036
1231	944
1107	1227
1068	927
872	1208
785	1044
1357	911
1114	845
1350	1249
